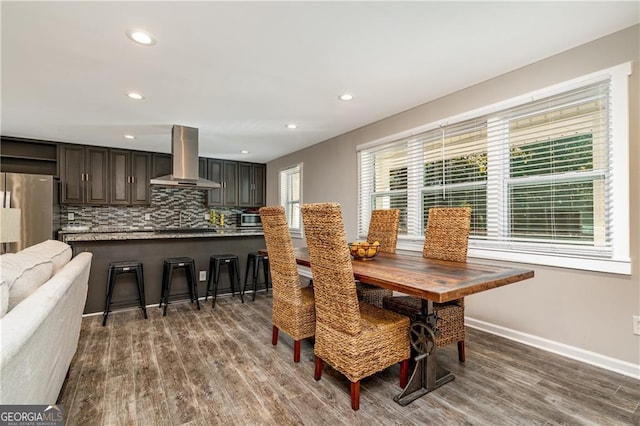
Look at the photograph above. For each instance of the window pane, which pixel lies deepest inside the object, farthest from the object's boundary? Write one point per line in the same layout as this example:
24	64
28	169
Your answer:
290	195
560	211
474	197
293	215
551	157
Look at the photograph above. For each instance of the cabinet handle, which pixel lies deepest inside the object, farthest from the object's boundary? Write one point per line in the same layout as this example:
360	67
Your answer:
86	177
133	179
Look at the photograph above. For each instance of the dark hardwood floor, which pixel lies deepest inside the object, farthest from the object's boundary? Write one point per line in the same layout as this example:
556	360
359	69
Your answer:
217	366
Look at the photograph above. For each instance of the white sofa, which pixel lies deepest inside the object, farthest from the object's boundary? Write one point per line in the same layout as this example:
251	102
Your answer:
42	296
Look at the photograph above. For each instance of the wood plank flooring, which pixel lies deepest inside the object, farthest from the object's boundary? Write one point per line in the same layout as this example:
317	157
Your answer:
217	366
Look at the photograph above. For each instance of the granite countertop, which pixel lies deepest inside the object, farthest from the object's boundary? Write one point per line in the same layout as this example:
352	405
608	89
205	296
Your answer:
112	234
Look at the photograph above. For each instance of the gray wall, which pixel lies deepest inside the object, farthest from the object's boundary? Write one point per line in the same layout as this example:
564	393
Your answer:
590	312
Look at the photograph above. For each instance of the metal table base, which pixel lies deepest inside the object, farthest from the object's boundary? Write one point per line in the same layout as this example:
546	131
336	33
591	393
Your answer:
427	374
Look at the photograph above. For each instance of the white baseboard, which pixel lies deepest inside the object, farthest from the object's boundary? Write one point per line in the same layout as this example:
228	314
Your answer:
602	361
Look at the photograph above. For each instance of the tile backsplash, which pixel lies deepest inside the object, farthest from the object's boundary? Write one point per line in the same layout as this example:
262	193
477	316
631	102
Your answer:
170	207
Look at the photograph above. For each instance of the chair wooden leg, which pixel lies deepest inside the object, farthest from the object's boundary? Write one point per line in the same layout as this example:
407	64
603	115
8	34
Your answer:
318	373
404	373
461	351
274	336
296	351
355	395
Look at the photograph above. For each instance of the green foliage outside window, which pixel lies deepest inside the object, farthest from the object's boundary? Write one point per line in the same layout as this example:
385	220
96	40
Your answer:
560	209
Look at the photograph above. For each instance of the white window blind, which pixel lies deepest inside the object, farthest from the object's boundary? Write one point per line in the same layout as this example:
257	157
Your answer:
539	175
291	196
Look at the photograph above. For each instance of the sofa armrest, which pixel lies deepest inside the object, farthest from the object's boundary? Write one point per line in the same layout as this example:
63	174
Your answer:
40	336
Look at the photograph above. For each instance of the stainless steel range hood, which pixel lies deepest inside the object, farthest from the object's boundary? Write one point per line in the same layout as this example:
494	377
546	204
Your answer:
184	156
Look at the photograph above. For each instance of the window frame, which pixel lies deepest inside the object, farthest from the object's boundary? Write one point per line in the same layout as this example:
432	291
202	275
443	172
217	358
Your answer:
619	262
286	172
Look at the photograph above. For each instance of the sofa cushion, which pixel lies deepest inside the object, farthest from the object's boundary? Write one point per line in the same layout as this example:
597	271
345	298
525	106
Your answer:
56	251
22	276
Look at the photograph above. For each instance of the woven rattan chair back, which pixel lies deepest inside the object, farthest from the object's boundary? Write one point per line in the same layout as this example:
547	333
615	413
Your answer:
293	306
447	234
334	287
282	261
383	227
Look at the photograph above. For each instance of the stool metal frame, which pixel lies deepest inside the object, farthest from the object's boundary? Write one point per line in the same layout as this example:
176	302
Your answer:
216	262
124	267
175	263
253	262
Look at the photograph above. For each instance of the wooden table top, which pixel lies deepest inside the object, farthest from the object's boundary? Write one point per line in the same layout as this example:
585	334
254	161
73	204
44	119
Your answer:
435	280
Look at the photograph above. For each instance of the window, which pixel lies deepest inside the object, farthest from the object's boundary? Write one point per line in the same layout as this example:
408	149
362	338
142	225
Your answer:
537	171
291	196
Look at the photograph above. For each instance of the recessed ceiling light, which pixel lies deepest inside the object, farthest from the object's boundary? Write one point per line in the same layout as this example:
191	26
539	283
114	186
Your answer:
141	37
136	96
291	126
129	136
244	151
345	97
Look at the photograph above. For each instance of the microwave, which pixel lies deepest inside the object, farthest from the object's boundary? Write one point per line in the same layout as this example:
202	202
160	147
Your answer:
249	220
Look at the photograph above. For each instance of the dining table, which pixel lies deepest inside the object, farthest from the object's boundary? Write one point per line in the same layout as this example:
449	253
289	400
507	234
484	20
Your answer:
432	281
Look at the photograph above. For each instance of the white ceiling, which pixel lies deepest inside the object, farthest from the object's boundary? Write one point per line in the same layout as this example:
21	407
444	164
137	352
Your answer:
241	71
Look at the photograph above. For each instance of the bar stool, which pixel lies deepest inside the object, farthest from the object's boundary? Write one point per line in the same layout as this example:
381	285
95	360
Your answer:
115	269
216	262
253	262
170	264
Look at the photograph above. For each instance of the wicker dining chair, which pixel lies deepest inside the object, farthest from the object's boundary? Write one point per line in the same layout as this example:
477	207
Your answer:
356	339
446	238
383	227
293	305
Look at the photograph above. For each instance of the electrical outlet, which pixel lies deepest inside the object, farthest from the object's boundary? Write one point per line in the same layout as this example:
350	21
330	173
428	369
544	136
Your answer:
636	324
203	275
71	216
206	216
147	216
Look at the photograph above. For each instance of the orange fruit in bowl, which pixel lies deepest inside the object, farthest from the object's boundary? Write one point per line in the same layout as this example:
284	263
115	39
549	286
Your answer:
371	251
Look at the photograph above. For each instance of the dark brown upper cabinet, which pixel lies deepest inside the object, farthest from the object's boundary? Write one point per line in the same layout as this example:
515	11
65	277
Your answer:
251	178
84	175
226	174
130	172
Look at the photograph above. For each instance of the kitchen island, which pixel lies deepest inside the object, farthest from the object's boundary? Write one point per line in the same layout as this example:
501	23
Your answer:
151	247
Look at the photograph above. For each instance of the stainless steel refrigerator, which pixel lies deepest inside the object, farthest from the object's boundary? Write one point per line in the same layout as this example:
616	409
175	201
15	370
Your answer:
37	197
